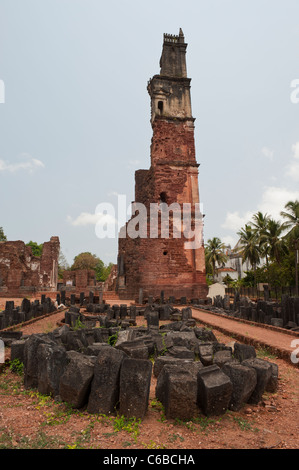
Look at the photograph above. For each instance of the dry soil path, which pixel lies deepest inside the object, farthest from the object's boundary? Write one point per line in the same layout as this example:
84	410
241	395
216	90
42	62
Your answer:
277	340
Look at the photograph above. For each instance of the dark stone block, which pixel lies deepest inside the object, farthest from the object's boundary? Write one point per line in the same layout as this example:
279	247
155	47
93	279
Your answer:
164	312
214	390
162	361
104	394
95	348
277	322
204	334
177	390
181	352
222	357
272	383
26	305
75	382
31	359
17	350
206	353
152	319
263	371
244	380
243	351
135	379
52	360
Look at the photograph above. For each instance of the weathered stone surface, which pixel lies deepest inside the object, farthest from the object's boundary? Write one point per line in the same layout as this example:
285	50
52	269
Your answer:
184	338
31	358
52	360
17	350
214	390
152	319
177	390
206	353
134	349
72	341
243	379
104	394
135	379
263	370
221	357
243	351
181	352
272	383
277	322
161	361
204	334
95	348
75	382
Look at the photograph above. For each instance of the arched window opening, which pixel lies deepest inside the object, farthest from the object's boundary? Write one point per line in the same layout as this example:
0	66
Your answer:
160	107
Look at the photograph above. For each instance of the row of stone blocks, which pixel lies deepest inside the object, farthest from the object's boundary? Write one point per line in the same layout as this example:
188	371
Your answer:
112	316
15	315
284	314
84	369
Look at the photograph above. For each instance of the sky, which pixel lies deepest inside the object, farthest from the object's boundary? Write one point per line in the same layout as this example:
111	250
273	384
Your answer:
75	111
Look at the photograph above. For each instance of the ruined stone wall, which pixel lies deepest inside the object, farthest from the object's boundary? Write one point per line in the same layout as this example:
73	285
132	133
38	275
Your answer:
21	271
79	278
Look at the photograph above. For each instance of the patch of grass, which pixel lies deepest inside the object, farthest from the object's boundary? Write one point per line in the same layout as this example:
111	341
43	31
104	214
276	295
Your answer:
153	445
244	424
17	367
174	437
265	353
202	421
130	425
112	339
157	405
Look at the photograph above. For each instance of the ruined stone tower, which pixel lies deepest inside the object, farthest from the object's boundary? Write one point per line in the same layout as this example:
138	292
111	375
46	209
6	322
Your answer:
151	261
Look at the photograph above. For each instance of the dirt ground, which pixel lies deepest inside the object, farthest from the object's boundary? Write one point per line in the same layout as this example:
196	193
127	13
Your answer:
29	420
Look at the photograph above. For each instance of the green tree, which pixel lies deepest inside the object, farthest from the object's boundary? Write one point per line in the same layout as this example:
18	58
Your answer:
36	248
3	237
88	260
214	254
250	249
291	214
272	242
260	224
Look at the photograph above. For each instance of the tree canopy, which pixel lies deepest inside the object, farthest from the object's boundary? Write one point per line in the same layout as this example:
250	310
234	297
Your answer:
87	260
3	237
36	248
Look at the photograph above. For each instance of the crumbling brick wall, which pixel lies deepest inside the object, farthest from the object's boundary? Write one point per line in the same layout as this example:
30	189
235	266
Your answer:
20	270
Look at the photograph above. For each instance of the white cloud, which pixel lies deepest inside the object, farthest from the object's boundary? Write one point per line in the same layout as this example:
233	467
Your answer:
274	199
234	221
86	218
229	240
27	163
268	153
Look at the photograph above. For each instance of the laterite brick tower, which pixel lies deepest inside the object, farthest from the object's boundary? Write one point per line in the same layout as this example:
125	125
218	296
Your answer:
165	264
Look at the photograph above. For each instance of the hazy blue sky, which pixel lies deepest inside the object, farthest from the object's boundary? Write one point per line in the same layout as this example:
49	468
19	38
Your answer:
75	124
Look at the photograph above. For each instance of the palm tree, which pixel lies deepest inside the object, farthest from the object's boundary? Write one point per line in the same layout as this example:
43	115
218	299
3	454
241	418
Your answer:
259	223
271	241
250	249
214	253
292	225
